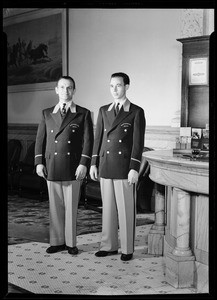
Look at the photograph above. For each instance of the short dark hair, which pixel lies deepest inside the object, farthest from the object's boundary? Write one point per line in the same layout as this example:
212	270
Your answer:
66	77
125	77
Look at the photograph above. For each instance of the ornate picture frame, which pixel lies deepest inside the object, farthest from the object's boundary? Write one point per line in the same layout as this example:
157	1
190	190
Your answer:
36	49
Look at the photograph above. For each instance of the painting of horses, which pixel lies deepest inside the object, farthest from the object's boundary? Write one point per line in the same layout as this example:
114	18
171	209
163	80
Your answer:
34	50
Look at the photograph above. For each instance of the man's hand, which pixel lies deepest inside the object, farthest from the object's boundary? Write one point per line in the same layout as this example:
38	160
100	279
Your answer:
94	173
133	176
41	171
81	172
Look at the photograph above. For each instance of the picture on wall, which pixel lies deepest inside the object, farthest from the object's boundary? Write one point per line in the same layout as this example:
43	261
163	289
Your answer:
198	71
196	133
35	49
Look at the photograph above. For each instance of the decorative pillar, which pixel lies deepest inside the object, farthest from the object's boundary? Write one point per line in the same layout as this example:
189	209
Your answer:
183	224
156	233
180	262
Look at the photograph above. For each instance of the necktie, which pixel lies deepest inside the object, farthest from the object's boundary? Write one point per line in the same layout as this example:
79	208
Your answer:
117	109
63	113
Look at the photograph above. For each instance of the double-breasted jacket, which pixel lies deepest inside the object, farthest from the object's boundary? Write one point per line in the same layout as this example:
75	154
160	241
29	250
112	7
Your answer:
119	141
61	145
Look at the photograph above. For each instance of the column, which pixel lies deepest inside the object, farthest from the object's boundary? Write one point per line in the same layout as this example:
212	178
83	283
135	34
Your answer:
180	262
156	233
183	224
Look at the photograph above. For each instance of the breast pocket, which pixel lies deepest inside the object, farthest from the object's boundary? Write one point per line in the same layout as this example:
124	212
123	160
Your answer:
74	128
126	128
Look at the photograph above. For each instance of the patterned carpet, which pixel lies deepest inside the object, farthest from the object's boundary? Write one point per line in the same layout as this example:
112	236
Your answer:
32	270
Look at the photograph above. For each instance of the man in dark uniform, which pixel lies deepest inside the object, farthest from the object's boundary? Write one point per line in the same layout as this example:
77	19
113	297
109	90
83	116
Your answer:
116	159
62	154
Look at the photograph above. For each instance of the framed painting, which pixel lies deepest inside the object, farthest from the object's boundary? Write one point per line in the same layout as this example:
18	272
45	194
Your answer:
36	49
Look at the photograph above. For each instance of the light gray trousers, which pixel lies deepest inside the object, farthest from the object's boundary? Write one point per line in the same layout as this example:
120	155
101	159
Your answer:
63	200
119	208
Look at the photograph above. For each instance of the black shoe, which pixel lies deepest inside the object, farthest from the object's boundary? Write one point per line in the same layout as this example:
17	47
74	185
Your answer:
54	249
126	257
72	250
105	253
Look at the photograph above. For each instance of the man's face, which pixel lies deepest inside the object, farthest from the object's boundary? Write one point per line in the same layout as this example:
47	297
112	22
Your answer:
65	90
117	88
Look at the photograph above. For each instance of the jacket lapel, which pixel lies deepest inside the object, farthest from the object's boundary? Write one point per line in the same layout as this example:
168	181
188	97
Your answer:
120	117
68	118
57	118
110	114
71	114
62	123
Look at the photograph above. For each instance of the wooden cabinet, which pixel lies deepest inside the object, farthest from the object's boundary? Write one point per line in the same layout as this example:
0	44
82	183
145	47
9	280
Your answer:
195	82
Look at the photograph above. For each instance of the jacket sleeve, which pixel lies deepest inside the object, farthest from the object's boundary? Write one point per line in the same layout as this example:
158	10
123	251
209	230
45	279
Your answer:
138	140
98	139
40	143
87	140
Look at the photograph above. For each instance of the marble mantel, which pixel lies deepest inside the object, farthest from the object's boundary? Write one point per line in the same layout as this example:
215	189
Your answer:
180	231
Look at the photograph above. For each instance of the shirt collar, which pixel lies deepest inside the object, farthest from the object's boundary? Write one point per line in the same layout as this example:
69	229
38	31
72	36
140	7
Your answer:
69	104
125	104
